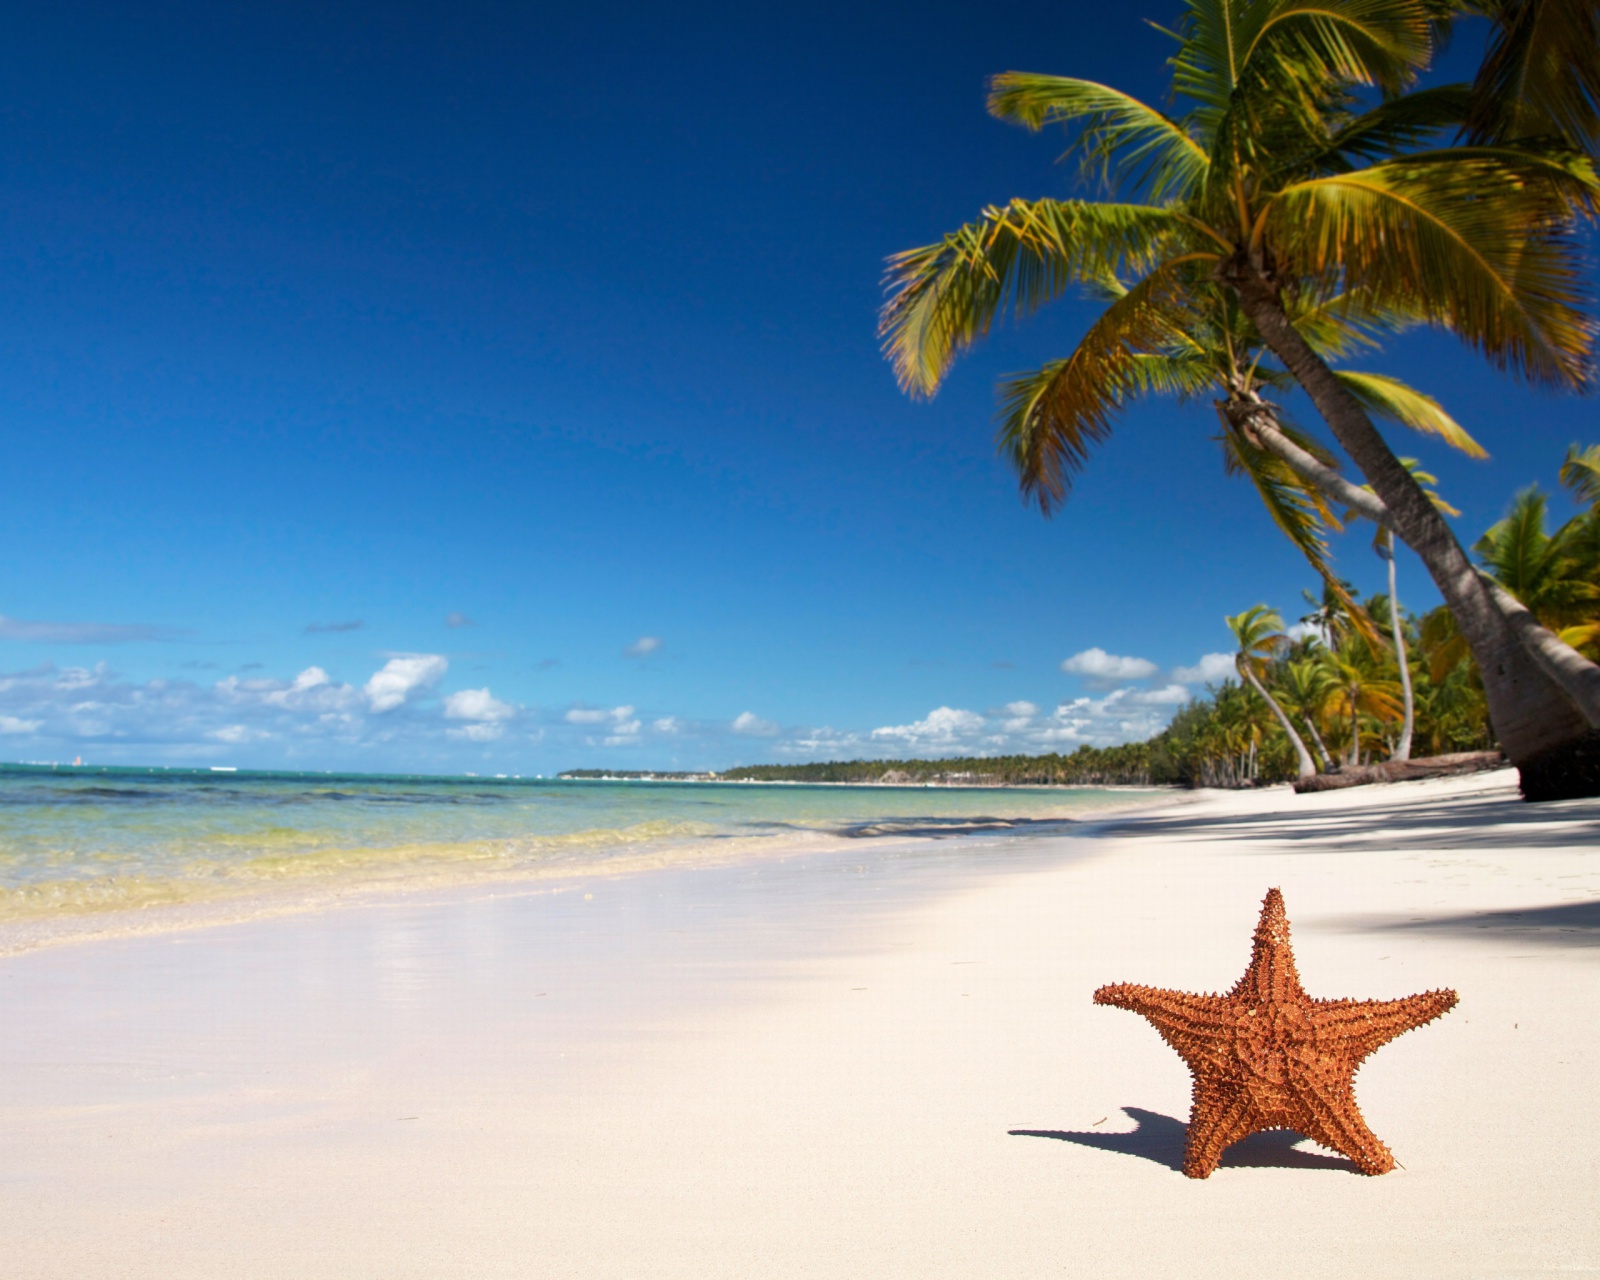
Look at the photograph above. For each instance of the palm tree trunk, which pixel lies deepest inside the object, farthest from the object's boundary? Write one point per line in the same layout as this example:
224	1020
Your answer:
1402	750
1353	755
1303	757
1322	747
1539	726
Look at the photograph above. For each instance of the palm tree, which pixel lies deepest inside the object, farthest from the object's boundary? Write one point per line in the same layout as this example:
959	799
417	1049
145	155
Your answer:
1220	353
1383	544
1358	690
1549	573
1275	187
1305	689
1259	631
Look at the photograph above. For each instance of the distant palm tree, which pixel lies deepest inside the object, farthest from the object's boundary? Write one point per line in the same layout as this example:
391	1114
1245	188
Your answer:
1359	690
1383	543
1277	188
1259	631
1305	689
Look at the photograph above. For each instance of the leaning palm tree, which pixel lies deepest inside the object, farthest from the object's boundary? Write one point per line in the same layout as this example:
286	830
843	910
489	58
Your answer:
1275	186
1220	353
1259	631
1383	544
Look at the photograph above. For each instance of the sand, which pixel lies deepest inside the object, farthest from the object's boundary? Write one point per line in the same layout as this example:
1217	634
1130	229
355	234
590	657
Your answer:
882	1062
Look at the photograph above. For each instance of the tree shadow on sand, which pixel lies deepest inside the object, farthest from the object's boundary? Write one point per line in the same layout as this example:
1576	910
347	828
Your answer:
1564	924
1160	1138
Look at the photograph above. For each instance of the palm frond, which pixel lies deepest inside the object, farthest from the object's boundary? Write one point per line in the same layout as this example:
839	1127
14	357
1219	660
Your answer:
1390	398
1369	42
1132	144
1541	74
1397	125
1478	242
1299	511
1332	326
945	296
1580	472
1226	44
1183	375
1049	419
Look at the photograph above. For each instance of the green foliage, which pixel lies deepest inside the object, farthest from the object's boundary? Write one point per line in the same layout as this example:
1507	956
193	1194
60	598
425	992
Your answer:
1128	765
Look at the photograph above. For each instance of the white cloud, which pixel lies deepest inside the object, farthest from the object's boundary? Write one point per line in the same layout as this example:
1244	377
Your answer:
308	719
643	647
668	724
484	731
1308	631
1021	709
311	690
1098	665
477	704
402	677
747	722
825	743
597	715
943	726
1211	668
1174	695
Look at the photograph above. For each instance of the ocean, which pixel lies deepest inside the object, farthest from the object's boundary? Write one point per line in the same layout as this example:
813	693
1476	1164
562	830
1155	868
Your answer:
83	840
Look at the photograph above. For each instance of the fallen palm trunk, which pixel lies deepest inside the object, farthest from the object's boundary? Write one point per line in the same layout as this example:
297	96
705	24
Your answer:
1403	770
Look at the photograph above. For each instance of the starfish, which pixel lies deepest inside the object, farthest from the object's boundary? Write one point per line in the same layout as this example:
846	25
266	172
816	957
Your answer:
1267	1056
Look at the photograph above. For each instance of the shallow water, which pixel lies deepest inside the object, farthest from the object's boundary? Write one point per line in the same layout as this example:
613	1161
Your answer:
95	839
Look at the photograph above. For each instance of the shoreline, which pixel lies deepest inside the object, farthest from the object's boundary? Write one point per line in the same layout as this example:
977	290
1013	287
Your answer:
236	902
875	1060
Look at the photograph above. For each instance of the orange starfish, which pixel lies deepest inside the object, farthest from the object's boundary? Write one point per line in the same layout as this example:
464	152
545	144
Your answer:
1267	1056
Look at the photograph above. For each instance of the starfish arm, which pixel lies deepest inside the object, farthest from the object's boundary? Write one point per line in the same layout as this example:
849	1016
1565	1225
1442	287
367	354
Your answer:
1358	1028
1329	1115
1219	1117
1200	1028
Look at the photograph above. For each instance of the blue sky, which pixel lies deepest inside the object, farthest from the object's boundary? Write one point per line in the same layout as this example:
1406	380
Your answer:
487	387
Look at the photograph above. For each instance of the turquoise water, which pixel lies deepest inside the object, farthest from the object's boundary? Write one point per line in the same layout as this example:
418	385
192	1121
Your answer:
91	839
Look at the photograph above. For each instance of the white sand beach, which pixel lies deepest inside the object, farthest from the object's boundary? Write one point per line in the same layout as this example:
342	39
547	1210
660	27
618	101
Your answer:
876	1062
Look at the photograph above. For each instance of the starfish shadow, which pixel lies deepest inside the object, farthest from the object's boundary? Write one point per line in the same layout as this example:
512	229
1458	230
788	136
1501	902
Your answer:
1161	1138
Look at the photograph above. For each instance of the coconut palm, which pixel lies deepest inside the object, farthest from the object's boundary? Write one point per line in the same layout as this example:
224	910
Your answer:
1259	632
1274	185
1552	574
1359	690
1305	687
1219	353
1383	544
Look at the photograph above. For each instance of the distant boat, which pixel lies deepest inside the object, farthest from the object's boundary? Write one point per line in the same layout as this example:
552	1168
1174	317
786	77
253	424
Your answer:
224	768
